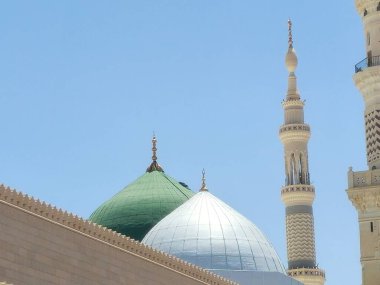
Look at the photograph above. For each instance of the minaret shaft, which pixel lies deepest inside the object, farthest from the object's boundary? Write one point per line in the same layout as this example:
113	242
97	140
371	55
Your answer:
299	213
364	186
298	194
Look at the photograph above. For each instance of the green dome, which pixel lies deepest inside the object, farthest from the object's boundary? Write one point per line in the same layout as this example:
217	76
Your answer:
142	204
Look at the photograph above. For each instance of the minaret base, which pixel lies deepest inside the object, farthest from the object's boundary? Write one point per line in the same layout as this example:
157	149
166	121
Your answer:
308	276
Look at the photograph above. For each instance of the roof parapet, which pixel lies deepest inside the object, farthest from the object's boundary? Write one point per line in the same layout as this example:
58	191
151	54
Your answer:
68	220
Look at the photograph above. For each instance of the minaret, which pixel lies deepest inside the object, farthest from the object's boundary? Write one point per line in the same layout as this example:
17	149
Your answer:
364	186
298	193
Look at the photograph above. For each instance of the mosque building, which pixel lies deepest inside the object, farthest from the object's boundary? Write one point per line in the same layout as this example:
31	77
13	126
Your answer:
200	229
157	231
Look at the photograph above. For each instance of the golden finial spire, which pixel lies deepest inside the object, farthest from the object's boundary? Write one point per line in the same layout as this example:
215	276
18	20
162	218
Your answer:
154	165
154	148
204	187
290	36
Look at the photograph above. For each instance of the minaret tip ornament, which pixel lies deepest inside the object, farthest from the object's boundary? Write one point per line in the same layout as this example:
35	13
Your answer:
291	60
154	165
204	187
290	35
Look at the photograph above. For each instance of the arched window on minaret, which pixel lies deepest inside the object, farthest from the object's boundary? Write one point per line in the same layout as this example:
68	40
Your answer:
293	170
306	168
302	169
378	7
287	177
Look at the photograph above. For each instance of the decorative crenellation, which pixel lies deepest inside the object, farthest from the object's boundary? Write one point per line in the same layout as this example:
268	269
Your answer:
306	272
297	188
294	132
363	178
302	197
294	127
293	102
73	222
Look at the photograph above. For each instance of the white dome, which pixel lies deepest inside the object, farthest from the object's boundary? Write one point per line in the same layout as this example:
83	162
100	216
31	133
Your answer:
207	232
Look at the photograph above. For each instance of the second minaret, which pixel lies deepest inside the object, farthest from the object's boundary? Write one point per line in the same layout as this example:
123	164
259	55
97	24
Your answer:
298	194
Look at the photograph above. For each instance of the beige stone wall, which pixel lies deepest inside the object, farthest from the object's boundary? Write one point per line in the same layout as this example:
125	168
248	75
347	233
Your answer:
35	248
364	193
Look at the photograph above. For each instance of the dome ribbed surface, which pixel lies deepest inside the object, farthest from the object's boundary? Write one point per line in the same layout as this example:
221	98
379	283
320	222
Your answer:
139	206
207	232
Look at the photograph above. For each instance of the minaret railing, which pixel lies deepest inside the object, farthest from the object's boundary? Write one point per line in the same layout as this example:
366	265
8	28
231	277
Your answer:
367	62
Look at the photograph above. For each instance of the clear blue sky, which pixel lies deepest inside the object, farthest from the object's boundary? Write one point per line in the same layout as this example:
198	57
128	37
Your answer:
83	85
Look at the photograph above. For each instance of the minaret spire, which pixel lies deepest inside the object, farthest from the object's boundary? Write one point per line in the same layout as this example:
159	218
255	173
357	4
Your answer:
290	34
154	166
364	186
291	62
204	187
298	193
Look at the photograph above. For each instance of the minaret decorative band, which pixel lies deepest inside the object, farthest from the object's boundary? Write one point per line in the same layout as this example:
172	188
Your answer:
364	186
298	194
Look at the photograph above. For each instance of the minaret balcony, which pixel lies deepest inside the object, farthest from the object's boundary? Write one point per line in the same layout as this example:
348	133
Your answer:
367	62
363	178
364	190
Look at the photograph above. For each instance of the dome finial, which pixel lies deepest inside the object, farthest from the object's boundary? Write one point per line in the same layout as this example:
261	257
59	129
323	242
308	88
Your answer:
154	147
204	187
290	35
154	165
